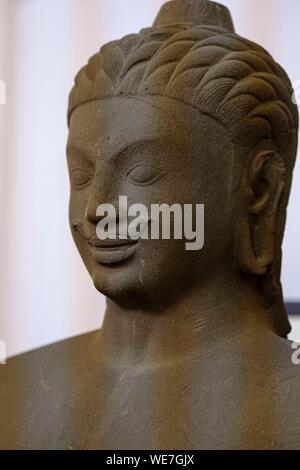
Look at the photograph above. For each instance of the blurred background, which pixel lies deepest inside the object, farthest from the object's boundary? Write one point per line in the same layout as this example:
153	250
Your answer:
46	294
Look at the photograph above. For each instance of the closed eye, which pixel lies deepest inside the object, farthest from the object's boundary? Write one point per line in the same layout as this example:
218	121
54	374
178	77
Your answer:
80	178
144	174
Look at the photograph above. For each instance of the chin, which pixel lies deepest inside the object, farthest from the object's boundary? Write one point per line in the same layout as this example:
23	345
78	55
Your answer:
120	284
127	286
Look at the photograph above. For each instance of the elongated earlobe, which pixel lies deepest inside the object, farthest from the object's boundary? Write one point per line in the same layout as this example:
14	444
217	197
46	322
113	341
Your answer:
264	188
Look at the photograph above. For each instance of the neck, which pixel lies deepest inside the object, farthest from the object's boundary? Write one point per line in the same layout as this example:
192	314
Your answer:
182	330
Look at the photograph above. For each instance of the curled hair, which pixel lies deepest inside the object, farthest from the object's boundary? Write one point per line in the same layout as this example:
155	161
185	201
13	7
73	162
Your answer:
221	74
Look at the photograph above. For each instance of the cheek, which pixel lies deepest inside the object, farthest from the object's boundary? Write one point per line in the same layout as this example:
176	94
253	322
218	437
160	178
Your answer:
164	268
77	210
210	187
77	206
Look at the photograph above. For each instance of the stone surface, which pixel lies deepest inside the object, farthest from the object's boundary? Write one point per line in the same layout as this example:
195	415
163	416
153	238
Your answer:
193	351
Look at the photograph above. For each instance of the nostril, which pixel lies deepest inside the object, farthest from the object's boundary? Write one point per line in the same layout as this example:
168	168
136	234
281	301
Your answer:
91	209
91	214
97	198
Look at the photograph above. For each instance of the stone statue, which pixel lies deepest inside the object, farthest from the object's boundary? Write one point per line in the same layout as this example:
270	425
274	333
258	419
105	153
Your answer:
193	353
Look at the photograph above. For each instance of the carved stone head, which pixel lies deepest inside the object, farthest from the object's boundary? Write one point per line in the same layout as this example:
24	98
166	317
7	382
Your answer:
187	112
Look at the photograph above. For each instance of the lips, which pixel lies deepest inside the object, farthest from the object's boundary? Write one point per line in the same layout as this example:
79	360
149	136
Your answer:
112	251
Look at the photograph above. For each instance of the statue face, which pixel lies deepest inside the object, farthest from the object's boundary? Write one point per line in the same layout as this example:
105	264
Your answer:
152	150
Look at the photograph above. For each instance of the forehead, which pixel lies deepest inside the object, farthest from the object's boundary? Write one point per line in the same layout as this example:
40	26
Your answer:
115	123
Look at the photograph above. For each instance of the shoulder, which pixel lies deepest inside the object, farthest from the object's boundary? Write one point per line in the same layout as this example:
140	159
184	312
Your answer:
47	360
286	359
278	361
34	387
282	386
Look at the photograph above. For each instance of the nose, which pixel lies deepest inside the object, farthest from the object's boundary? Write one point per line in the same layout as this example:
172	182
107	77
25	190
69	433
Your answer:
91	210
98	195
103	191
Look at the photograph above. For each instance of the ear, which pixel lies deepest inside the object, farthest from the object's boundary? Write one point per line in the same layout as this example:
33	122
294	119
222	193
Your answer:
262	190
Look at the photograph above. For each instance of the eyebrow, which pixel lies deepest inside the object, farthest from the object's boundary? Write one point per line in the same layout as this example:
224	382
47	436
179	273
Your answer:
80	153
85	154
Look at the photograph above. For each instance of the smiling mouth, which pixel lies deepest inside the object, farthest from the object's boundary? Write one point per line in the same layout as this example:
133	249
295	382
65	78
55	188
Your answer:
112	251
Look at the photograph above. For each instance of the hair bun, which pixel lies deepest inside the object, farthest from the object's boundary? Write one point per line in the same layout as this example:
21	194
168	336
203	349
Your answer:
198	12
